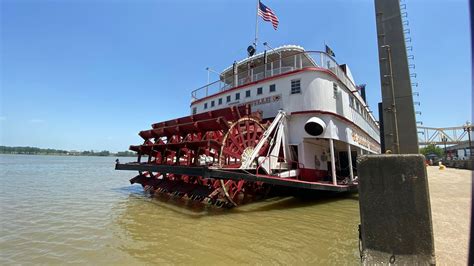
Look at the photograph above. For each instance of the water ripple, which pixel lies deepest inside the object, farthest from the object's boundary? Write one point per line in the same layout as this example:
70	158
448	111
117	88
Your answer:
59	210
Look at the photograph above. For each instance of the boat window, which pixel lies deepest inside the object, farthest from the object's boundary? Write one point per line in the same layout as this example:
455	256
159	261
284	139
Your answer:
212	103
194	110
272	88
228	98
358	107
237	96
205	105
334	88
259	90
295	86
351	101
247	93
220	101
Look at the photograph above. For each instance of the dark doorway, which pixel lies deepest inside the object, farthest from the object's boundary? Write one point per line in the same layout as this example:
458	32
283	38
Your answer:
343	170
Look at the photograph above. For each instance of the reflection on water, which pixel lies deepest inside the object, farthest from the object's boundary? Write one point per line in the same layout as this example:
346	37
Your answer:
78	209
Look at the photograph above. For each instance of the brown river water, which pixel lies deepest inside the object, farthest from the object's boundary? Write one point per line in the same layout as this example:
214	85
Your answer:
57	210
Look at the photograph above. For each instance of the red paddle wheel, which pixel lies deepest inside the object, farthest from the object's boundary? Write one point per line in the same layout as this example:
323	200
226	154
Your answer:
223	138
237	146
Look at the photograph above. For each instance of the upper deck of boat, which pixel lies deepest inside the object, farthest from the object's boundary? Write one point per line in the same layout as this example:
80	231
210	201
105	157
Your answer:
275	63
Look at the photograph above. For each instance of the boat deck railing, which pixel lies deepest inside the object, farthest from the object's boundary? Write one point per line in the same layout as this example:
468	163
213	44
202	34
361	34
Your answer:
276	67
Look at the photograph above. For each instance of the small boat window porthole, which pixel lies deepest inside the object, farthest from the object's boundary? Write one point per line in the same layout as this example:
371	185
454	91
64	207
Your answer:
247	93
212	103
220	101
259	90
237	96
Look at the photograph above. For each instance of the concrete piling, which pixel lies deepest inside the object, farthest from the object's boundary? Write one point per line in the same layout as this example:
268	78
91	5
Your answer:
395	212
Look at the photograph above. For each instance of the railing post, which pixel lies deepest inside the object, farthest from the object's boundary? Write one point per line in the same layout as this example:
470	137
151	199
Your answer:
280	64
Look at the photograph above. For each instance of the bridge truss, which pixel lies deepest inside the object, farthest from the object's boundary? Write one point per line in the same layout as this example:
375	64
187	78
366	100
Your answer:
453	135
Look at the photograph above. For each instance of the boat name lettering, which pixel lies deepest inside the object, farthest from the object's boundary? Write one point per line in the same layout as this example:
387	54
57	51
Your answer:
365	142
265	100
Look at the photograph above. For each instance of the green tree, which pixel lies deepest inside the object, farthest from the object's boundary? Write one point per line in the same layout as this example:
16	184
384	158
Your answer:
432	149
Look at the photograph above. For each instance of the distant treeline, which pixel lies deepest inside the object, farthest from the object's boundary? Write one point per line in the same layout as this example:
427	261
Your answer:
39	151
126	154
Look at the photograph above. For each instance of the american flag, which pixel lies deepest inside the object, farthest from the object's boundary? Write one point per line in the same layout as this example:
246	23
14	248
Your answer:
267	14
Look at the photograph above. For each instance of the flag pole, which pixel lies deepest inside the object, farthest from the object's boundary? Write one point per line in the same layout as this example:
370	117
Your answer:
256	25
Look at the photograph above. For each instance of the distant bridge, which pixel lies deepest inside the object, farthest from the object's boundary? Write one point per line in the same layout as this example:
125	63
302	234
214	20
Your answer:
454	135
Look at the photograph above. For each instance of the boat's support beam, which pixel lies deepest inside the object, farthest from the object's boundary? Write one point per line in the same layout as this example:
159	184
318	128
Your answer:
333	162
349	154
278	126
234	175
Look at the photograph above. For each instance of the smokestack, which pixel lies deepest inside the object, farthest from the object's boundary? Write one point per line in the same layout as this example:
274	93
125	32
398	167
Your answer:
361	89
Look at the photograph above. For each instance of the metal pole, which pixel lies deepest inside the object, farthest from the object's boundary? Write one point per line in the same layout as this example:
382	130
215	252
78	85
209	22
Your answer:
396	144
349	154
207	86
256	25
333	162
467	128
445	152
273	50
469	143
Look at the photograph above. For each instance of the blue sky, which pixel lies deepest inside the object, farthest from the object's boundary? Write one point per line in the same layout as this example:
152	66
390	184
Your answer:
90	74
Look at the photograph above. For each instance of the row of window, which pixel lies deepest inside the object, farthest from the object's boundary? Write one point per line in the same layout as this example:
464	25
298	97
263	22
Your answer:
353	103
360	109
295	88
248	93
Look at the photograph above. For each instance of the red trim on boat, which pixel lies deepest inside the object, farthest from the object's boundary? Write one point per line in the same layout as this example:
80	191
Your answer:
313	175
